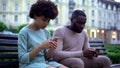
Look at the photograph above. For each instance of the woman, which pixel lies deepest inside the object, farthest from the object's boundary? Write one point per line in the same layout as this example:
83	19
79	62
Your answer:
34	47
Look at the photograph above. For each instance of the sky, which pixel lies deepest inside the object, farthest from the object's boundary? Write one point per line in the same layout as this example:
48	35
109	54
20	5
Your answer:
117	0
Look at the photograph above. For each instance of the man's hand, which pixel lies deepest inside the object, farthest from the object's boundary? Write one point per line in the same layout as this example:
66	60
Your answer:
90	53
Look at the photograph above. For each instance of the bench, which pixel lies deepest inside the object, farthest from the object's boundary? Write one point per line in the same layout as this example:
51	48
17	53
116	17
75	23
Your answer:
98	44
8	51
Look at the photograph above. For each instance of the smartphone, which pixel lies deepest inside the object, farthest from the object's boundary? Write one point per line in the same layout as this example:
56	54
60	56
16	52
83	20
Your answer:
56	39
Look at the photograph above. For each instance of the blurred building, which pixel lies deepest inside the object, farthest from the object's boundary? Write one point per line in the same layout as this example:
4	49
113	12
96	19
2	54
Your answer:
103	16
15	12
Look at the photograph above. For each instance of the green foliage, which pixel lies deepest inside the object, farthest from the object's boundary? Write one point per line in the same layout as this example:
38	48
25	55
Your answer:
13	30
51	32
21	26
115	57
2	26
113	52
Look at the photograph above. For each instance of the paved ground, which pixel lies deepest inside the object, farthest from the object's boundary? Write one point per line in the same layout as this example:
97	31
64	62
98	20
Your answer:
116	66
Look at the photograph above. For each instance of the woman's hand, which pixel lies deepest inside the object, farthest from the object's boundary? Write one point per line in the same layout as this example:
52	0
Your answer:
45	45
52	44
52	47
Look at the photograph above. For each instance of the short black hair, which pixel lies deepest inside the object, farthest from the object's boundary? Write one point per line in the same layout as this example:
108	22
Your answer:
44	8
77	13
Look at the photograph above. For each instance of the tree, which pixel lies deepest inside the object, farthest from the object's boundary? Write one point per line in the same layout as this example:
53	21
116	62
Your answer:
2	26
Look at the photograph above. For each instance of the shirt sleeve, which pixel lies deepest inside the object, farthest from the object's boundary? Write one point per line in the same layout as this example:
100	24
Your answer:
59	54
22	49
86	42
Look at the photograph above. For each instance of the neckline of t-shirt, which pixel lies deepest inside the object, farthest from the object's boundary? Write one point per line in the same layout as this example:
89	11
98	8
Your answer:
34	30
73	31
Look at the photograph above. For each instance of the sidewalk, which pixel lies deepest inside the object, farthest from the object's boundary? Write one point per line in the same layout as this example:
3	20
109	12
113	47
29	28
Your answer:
115	66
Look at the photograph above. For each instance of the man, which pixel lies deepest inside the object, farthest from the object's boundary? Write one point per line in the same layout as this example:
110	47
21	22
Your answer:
73	49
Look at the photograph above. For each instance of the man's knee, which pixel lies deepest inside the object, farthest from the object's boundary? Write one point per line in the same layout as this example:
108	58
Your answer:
104	60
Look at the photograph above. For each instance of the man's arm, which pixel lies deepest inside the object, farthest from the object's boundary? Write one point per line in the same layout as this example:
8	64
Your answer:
59	54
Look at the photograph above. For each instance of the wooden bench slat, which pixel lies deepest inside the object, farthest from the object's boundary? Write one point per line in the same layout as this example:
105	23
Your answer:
8	36
8	49
8	56
95	41
8	42
100	48
115	66
13	64
98	45
103	54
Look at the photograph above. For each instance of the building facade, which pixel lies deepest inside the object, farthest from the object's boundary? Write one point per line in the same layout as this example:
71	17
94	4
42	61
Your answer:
103	16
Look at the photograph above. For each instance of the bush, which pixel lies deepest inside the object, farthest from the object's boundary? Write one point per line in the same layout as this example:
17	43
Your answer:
2	27
13	30
113	52
21	26
115	57
51	32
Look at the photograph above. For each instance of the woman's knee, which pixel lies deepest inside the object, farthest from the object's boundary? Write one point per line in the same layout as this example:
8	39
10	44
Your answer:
73	63
51	67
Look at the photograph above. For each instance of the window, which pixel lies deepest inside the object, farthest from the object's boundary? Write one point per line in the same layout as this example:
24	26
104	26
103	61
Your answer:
70	12
4	17
92	34
100	4
83	10
100	24
28	18
56	21
28	6
16	18
83	2
104	24
109	7
109	25
92	3
57	1
103	5
114	8
93	12
71	4
93	23
16	7
4	7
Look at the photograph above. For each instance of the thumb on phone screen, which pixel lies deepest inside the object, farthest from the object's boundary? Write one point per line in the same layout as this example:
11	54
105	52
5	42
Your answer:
55	39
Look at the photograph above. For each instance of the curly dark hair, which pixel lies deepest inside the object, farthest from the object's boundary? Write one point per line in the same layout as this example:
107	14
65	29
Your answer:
44	8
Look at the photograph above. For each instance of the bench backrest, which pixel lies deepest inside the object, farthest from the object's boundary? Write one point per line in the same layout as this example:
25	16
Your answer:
98	44
8	51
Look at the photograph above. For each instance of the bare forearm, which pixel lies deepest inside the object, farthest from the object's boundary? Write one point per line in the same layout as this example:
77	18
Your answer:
67	54
34	52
